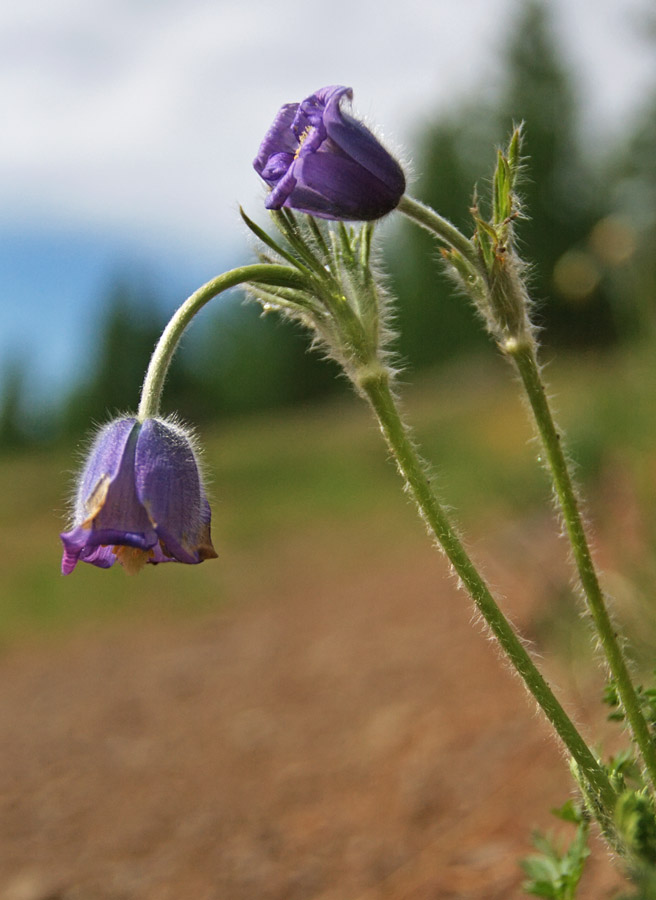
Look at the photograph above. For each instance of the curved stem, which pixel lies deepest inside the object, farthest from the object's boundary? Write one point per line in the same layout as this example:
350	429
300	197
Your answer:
376	388
523	355
430	220
160	361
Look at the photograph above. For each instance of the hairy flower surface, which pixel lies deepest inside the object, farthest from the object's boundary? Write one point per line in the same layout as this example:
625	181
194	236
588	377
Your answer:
140	500
319	160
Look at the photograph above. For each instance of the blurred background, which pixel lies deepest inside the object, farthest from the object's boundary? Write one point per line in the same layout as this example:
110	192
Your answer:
324	719
129	134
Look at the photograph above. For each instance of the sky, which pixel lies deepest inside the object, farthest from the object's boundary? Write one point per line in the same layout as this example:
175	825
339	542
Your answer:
129	128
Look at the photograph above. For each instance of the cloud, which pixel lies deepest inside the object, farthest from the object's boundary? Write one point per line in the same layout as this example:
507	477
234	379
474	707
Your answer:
144	115
147	115
129	126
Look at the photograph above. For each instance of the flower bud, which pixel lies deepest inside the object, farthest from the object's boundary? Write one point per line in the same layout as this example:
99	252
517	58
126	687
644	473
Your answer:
321	161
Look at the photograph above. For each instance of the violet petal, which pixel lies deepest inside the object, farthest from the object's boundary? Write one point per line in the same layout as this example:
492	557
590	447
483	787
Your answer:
279	138
330	186
168	486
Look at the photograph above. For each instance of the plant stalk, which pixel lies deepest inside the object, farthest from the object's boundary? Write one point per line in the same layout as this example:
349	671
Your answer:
521	349
376	388
165	348
524	357
439	226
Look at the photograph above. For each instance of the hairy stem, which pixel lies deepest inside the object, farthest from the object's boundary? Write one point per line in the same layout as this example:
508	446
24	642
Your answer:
376	387
160	361
439	226
524	357
515	339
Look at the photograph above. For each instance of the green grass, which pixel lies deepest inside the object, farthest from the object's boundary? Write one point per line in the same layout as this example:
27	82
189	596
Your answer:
279	477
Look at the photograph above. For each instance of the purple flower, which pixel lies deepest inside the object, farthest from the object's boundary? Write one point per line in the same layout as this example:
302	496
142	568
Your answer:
140	499
319	160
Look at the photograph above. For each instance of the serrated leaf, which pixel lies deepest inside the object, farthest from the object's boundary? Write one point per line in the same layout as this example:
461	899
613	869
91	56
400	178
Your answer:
487	237
502	204
269	241
568	812
514	154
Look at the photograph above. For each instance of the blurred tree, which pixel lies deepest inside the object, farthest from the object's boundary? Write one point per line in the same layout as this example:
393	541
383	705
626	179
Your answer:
562	197
238	360
630	244
13	432
127	334
235	361
246	361
433	321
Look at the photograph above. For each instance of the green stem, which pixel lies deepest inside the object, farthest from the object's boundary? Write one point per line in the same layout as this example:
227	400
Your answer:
524	357
160	361
521	348
430	220
376	387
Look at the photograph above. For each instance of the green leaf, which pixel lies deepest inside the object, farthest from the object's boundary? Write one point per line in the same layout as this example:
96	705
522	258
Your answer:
286	222
514	154
502	201
269	241
487	239
555	872
569	812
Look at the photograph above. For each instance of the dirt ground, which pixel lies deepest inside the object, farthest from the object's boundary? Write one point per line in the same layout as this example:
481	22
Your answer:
352	738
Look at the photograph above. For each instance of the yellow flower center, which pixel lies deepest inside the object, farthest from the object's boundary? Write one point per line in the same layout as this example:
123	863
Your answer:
132	558
302	139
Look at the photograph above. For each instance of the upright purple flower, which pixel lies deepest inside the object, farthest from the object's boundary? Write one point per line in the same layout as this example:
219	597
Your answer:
319	160
140	500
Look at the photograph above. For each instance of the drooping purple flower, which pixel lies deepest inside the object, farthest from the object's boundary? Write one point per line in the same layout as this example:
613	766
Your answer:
140	500
319	160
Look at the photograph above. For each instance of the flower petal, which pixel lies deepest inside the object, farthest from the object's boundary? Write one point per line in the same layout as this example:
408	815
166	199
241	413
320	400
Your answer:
121	518
363	147
75	542
280	138
334	187
107	510
103	557
169	488
103	462
276	167
313	108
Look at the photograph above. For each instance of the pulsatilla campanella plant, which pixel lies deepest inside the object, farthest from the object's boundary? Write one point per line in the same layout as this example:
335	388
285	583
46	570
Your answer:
141	497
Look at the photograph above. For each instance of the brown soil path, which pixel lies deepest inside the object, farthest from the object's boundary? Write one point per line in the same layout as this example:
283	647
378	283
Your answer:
353	738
